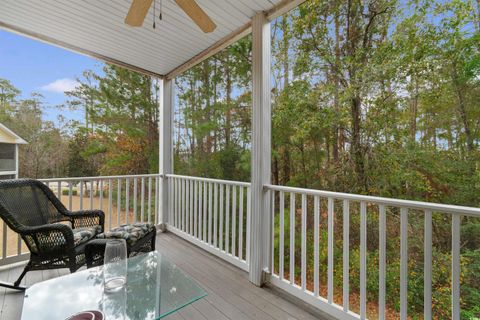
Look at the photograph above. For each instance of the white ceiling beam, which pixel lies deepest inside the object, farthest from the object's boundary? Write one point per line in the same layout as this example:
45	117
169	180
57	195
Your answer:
210	51
278	10
282	8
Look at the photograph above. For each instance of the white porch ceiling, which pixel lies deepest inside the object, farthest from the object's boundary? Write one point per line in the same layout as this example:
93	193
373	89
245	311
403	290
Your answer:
96	28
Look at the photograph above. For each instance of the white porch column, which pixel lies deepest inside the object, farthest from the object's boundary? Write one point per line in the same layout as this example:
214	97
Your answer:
165	144
261	150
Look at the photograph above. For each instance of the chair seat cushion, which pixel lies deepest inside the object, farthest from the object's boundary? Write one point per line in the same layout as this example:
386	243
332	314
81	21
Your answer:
82	235
130	232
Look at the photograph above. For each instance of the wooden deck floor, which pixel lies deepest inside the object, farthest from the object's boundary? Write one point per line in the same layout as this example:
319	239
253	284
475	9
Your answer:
230	294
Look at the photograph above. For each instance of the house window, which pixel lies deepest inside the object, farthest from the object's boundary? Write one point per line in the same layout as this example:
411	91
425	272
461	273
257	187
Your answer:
7	157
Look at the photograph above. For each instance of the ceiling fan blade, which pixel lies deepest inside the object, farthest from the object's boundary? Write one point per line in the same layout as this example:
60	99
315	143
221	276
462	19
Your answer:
137	13
193	10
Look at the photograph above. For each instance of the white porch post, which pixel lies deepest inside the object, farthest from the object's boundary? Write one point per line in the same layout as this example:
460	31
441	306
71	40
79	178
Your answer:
261	150
165	144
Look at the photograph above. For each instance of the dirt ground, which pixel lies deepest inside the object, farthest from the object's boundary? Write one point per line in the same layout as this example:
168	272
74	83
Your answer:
12	238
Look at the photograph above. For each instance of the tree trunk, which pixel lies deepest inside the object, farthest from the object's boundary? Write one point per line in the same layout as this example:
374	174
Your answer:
462	108
356	147
414	110
228	111
336	103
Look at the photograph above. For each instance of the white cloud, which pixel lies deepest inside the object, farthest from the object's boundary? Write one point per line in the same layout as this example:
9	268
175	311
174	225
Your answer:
60	85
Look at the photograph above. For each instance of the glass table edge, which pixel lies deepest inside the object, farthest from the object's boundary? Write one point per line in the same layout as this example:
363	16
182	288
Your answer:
183	305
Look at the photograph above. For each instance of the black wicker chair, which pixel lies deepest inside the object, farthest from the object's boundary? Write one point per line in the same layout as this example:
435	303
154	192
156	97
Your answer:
55	236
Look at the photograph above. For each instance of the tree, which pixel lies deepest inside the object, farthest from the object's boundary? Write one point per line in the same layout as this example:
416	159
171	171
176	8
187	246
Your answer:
121	109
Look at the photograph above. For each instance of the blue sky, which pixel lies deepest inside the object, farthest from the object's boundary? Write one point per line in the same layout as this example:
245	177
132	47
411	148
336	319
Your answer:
33	66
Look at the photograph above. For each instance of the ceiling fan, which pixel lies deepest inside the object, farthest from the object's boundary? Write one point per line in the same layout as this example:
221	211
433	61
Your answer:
139	9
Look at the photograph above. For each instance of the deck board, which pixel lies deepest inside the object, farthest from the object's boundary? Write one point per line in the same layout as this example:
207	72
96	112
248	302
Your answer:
230	294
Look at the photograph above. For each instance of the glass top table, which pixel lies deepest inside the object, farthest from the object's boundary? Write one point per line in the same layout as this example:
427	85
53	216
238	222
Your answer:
155	288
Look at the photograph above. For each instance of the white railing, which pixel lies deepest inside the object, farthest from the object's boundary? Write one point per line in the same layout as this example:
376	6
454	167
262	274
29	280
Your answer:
213	214
124	199
296	206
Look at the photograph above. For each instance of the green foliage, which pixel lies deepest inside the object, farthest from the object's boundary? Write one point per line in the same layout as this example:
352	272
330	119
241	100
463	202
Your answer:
212	126
45	154
121	120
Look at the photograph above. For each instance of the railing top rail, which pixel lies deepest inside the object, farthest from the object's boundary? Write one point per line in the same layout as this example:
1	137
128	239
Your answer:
229	182
100	177
438	207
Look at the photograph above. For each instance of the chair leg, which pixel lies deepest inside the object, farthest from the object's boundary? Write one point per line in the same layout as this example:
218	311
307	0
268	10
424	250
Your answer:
154	237
12	286
16	284
24	272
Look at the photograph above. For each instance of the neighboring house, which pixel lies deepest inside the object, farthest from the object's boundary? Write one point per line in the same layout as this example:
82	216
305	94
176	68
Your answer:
9	142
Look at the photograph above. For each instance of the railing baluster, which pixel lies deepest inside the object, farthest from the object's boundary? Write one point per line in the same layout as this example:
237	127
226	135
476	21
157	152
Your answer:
127	204
91	194
382	261
403	262
227	220
110	199
331	221
304	243
157	194
81	195
142	201
427	264
205	212
200	211
70	191
234	219
4	240
456	224
179	202
346	255
220	228
187	198
149	197
292	238
316	235
135	191
19	244
171	201
175	202
190	207
271	194
363	260
210	212
240	225
195	209
59	190
215	214
119	201
249	214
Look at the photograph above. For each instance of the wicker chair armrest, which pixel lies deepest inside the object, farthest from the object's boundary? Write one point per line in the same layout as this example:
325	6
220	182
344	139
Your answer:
86	218
49	238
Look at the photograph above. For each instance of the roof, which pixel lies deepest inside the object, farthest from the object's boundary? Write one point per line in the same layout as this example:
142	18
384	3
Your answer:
8	136
96	28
